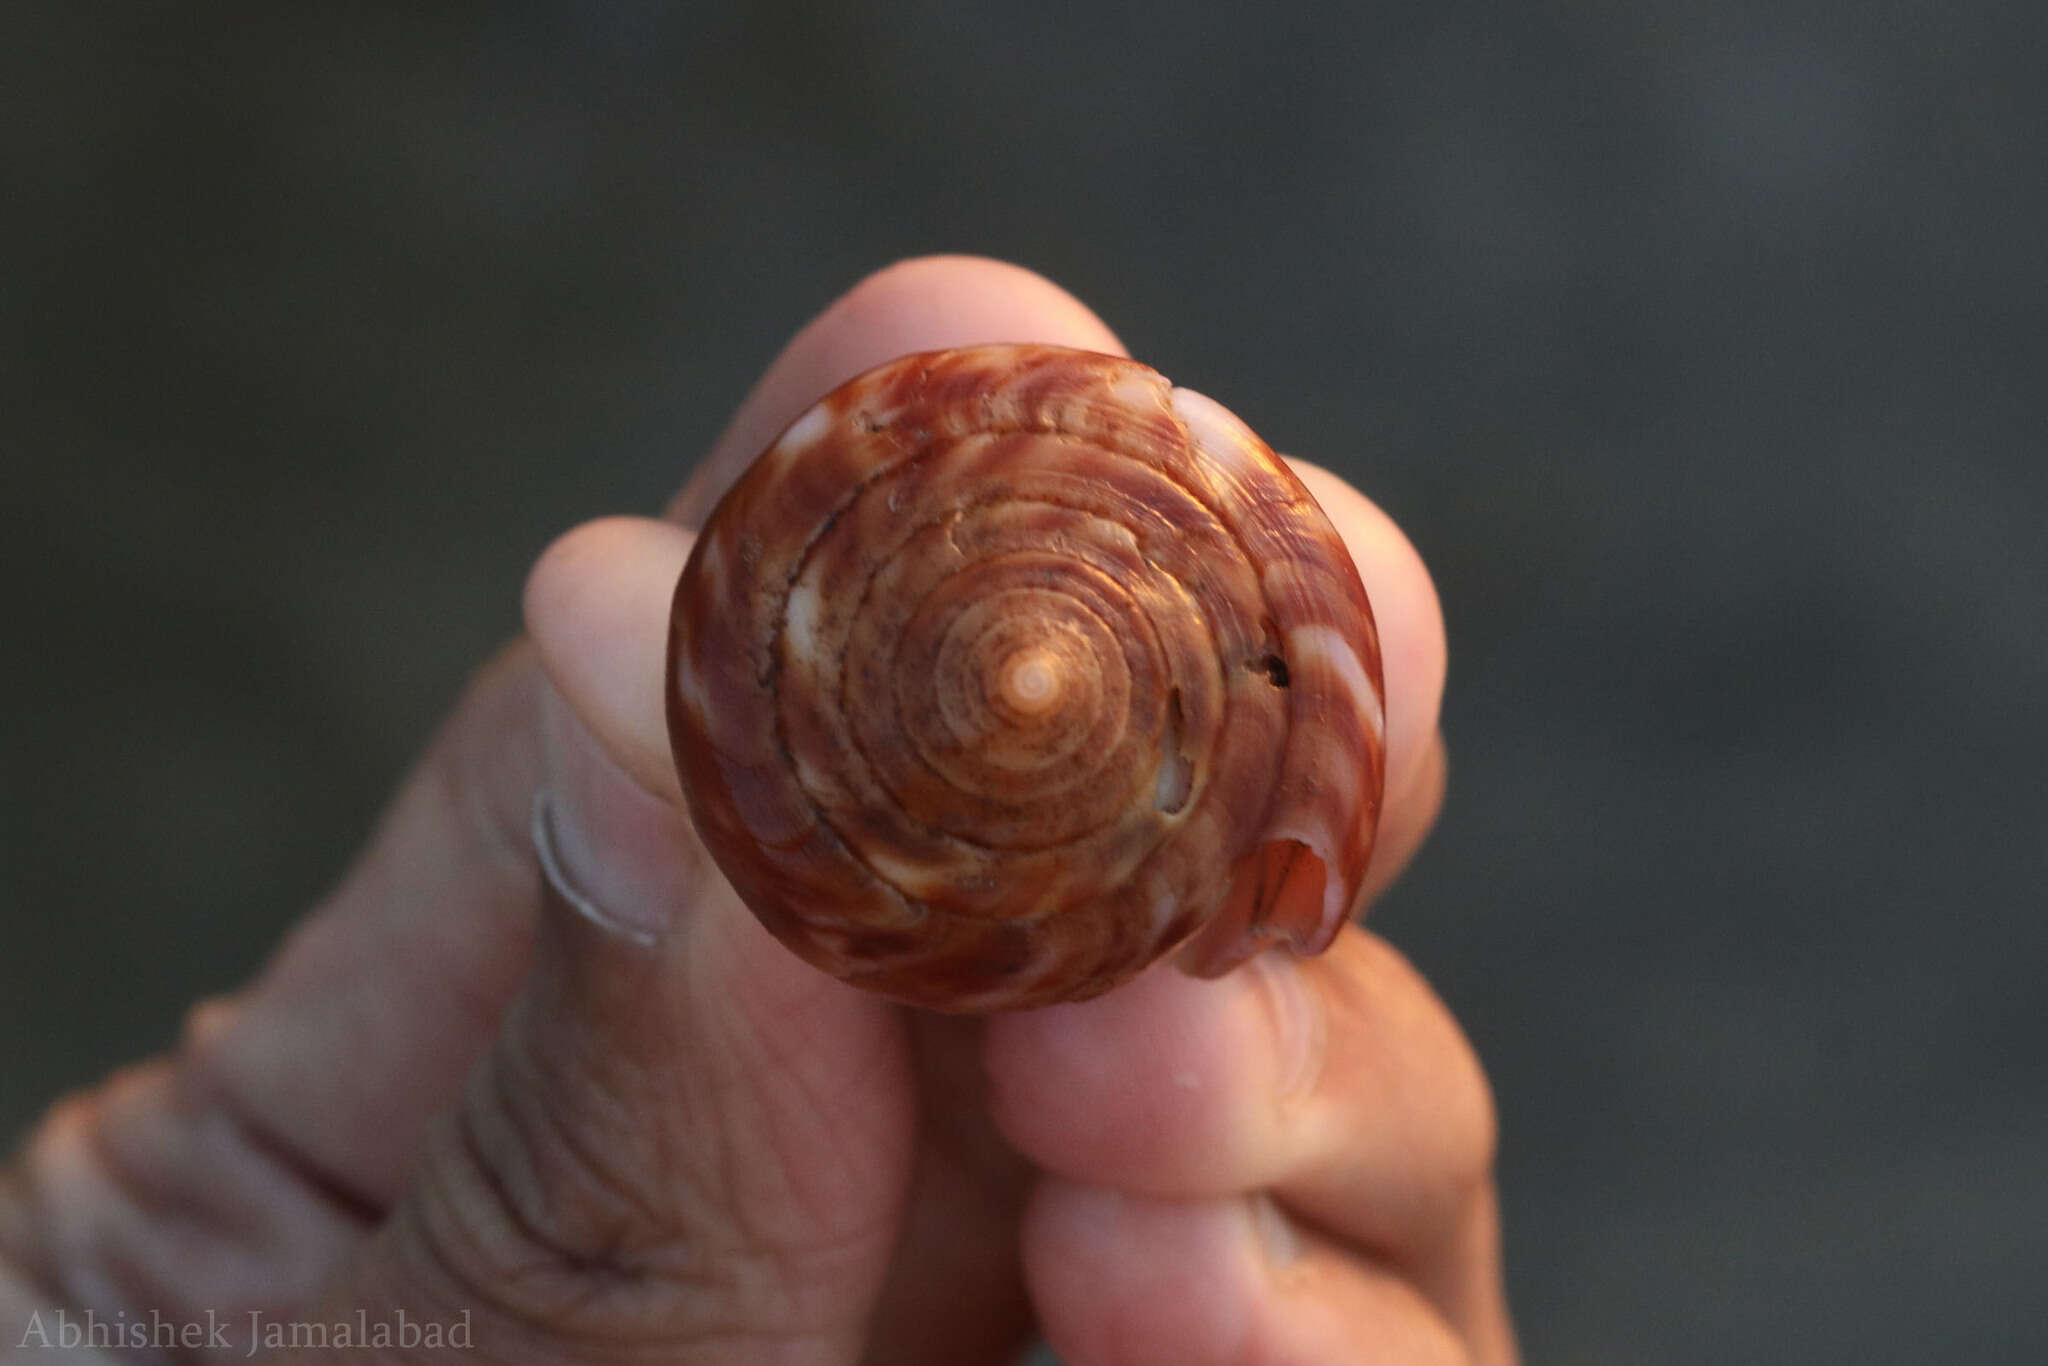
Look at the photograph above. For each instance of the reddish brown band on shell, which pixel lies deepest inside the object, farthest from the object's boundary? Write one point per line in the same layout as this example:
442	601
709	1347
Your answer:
1007	670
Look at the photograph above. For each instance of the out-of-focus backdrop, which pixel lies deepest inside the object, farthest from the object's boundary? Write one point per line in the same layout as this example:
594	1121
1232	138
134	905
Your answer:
1699	348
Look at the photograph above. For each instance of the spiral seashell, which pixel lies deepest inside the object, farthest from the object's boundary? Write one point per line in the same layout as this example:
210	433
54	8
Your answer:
1006	670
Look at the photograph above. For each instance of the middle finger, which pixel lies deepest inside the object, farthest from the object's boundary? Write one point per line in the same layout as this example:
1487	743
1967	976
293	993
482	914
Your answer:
1341	1083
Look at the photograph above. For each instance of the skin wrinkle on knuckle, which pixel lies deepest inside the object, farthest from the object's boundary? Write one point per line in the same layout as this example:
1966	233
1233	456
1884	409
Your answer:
514	1219
494	1225
524	1215
206	1079
142	1205
73	1199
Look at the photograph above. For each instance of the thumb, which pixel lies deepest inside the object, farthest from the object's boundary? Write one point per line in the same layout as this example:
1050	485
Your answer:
683	1137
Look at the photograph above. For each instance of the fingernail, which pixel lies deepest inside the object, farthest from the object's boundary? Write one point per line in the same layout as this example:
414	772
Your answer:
1297	1020
606	845
1278	1239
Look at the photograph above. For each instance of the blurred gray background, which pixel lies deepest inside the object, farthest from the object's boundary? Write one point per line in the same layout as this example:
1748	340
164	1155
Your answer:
1699	348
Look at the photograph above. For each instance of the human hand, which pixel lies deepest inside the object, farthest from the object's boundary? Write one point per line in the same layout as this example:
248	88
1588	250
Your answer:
605	1117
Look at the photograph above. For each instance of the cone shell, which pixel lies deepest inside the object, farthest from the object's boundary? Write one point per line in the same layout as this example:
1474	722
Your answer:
1007	670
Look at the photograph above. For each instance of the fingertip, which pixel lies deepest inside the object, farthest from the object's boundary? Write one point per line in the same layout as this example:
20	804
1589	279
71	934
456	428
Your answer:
925	302
560	575
597	606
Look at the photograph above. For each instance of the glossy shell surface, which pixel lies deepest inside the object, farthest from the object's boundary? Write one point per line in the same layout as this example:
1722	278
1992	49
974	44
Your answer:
1007	670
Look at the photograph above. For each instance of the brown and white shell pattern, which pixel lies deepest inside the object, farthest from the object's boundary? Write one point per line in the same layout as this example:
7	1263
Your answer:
1007	670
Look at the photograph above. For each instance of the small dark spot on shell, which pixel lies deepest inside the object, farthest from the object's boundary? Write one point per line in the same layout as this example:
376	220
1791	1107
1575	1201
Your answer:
1011	949
1275	669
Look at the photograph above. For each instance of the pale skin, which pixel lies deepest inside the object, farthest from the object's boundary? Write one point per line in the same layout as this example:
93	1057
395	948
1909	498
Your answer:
662	1137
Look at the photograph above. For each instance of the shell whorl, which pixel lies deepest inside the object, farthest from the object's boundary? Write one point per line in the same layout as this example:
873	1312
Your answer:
1006	670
